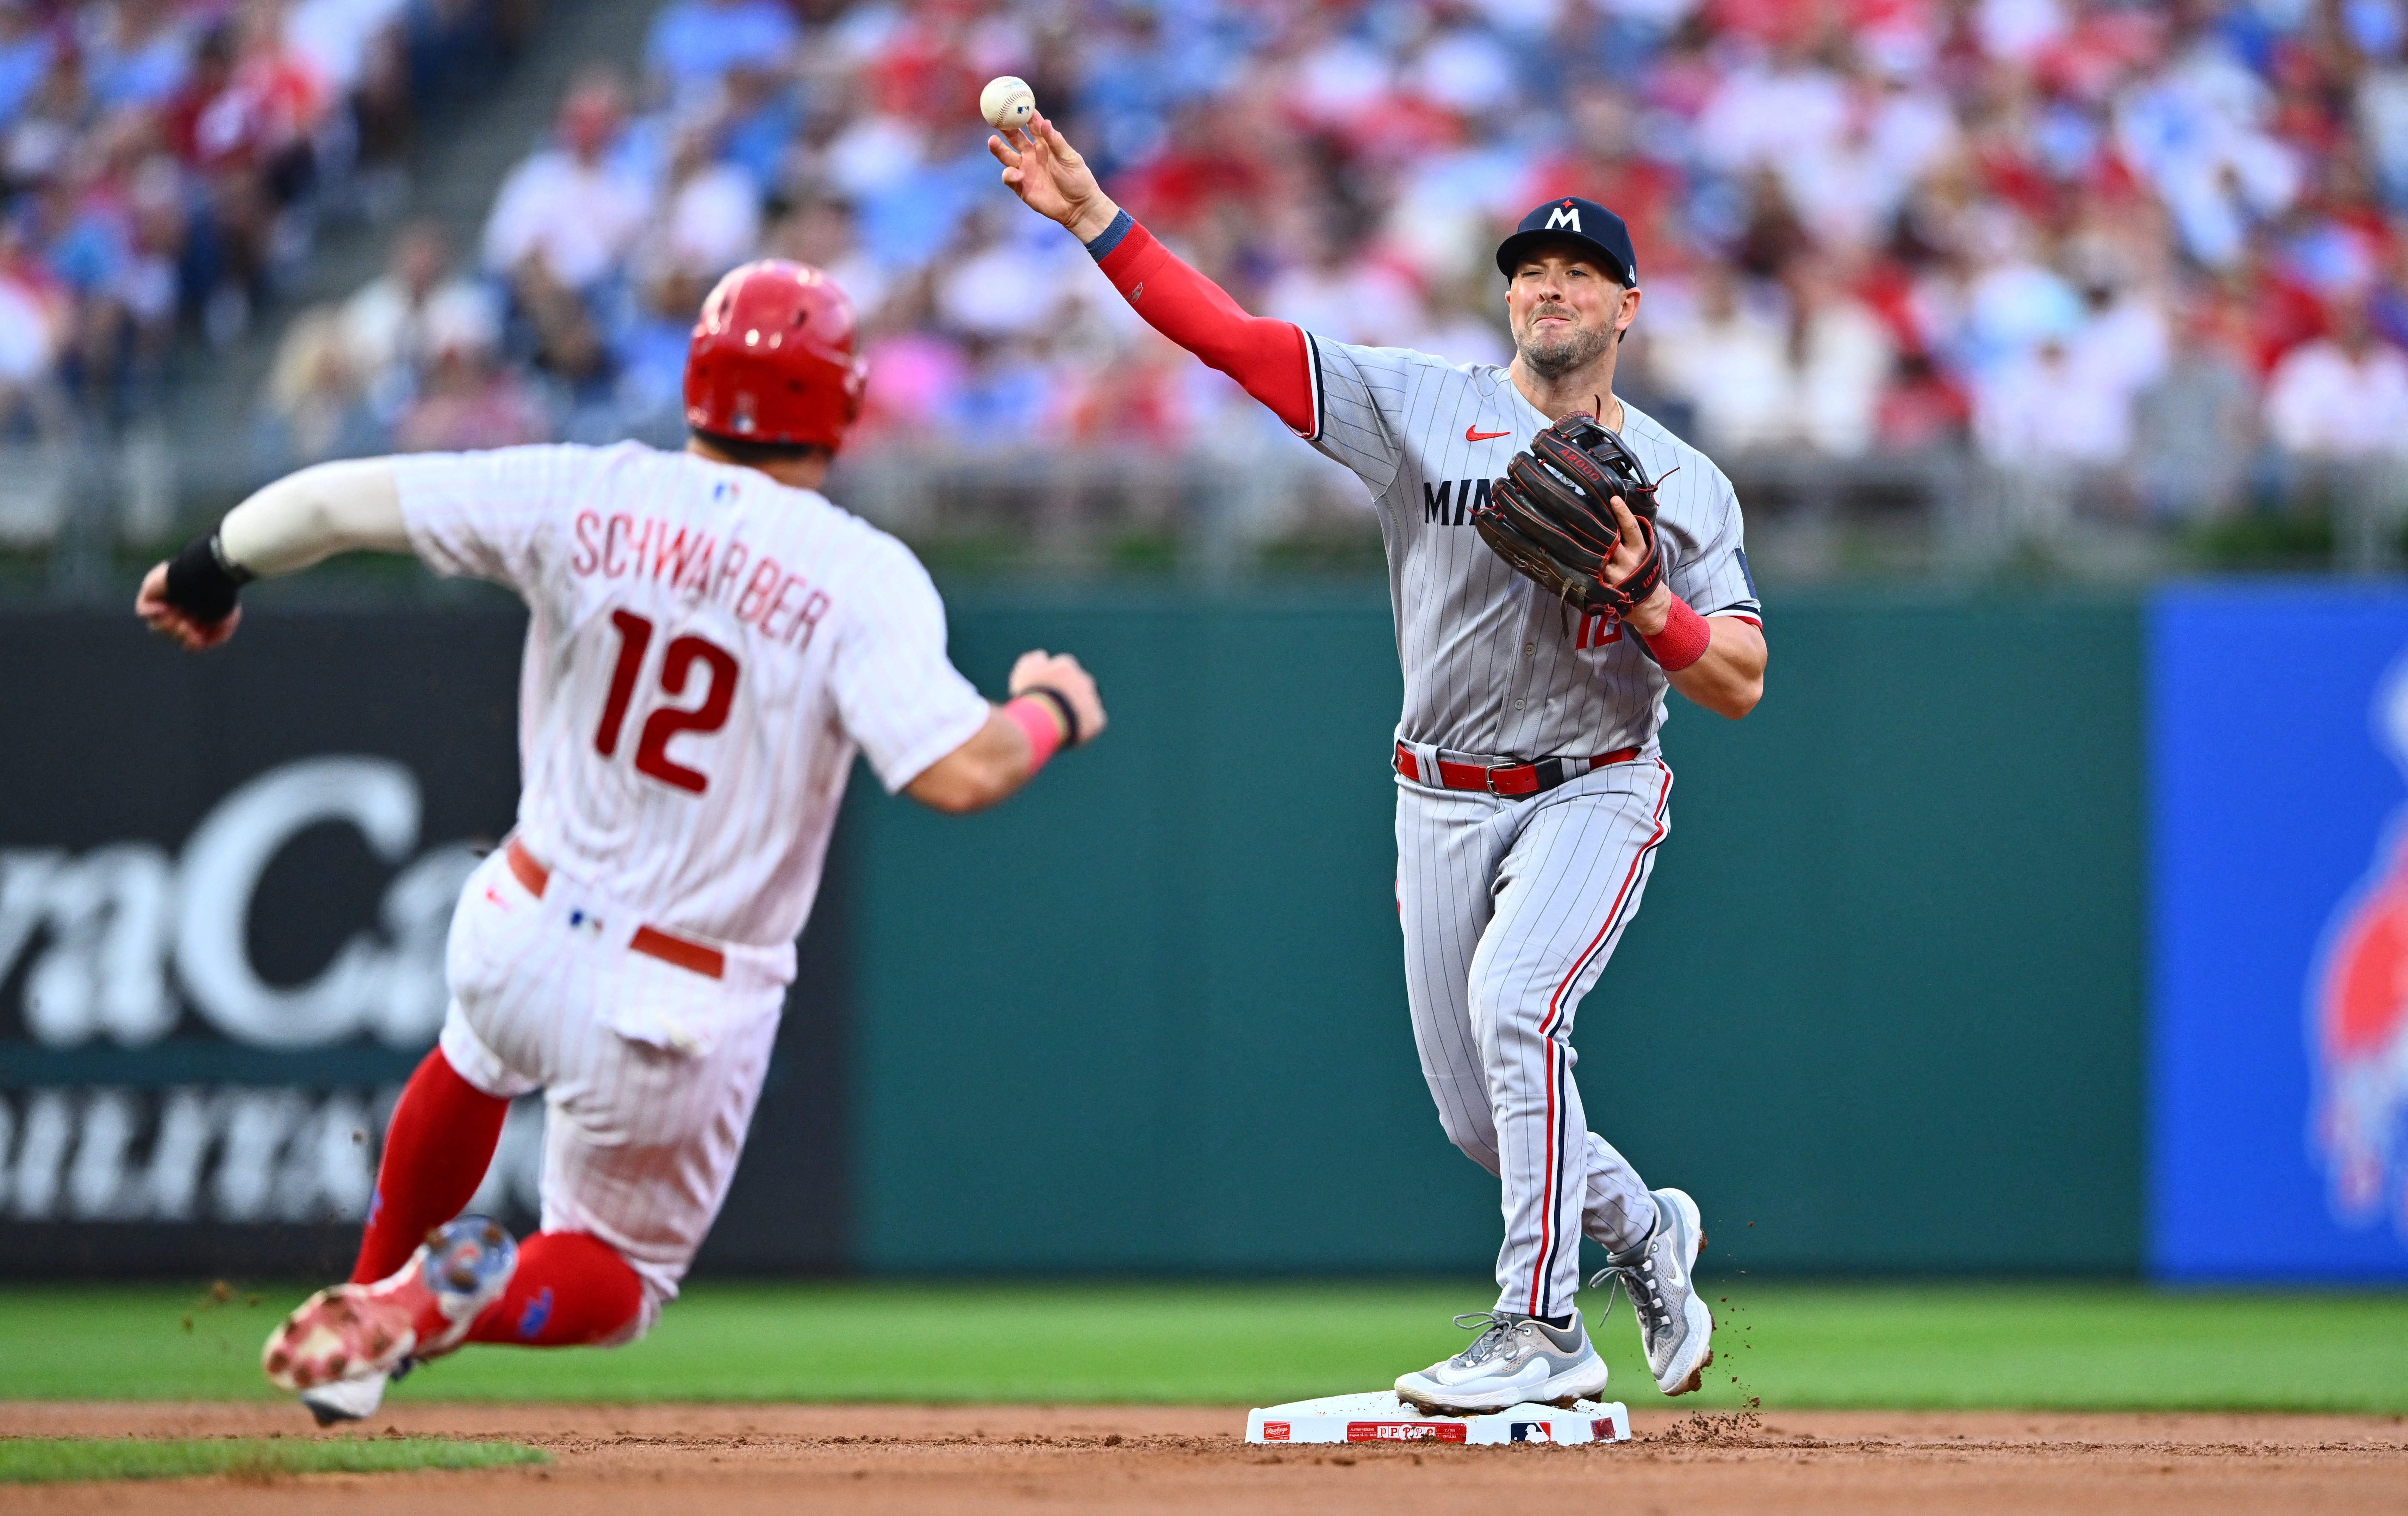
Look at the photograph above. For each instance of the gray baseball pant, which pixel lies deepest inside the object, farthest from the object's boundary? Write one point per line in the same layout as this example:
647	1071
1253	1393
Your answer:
1511	909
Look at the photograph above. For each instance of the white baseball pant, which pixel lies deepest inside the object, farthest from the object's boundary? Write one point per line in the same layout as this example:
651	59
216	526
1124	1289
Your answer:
650	1072
1510	909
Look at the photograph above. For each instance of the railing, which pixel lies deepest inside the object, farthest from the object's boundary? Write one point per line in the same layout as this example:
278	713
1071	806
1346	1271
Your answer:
79	512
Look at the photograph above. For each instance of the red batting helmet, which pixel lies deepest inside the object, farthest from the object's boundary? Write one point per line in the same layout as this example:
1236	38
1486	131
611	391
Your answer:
772	360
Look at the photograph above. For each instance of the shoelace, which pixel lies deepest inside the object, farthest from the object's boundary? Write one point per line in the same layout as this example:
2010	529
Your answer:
1654	1311
1497	1333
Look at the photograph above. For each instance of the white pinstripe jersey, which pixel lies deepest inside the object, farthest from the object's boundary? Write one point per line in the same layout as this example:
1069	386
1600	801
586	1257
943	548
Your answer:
1492	666
704	651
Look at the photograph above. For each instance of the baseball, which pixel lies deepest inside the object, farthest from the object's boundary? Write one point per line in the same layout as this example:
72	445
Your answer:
1006	103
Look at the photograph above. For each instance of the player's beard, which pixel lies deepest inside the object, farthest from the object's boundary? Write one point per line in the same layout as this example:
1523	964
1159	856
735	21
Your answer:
1553	356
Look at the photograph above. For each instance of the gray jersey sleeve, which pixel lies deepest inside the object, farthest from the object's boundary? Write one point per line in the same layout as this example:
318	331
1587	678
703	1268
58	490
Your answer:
1712	574
1697	515
1361	399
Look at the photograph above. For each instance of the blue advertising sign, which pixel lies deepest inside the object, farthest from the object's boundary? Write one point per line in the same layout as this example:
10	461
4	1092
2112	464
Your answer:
2279	1033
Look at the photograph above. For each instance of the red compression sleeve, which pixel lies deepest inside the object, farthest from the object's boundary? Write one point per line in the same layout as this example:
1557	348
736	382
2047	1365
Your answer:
436	1150
1268	358
1683	640
571	1290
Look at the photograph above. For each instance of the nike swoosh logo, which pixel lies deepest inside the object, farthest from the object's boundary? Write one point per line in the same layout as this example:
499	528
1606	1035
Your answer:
1471	436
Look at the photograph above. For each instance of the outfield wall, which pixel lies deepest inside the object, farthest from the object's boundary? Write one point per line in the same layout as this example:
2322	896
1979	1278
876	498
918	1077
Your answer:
1884	1009
1882	1002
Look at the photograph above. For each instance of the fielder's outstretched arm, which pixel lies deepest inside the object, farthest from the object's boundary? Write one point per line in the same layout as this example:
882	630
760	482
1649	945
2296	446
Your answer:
1268	358
288	525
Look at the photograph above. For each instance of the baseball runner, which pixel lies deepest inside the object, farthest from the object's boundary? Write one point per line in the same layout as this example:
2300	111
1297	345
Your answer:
1540	617
711	642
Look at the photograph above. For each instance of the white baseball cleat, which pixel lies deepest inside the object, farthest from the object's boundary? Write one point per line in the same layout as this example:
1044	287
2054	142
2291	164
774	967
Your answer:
349	1400
1515	1358
341	1347
1658	1274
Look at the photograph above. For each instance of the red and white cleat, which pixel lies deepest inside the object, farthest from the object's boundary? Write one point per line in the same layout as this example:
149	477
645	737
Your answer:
343	1343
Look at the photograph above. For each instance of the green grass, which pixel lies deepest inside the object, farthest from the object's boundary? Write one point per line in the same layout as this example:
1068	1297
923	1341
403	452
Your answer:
47	1460
2020	1346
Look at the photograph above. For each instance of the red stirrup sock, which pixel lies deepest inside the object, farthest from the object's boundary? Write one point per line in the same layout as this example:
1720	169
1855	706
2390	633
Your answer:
571	1290
436	1150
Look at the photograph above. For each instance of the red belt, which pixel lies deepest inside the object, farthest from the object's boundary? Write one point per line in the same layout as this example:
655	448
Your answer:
1509	778
682	951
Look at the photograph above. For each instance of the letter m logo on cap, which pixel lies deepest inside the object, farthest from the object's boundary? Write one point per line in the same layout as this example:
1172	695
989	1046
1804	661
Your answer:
1572	219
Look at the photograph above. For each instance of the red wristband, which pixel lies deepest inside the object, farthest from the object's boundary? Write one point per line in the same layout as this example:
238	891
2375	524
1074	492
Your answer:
1035	717
1683	640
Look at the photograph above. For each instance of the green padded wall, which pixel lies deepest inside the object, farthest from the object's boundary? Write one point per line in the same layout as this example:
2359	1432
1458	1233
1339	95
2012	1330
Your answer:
1882	1001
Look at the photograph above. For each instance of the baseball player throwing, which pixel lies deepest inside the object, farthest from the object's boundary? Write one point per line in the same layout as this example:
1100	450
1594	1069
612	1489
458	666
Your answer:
1531	795
711	642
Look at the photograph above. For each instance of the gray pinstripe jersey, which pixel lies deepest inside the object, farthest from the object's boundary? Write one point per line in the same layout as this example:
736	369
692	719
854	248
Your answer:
1492	666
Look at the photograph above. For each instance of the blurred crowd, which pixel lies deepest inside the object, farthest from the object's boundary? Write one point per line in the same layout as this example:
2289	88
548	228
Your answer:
2160	247
163	162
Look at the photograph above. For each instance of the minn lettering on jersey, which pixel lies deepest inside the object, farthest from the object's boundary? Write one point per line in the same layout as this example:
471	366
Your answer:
1449	503
1460	496
776	602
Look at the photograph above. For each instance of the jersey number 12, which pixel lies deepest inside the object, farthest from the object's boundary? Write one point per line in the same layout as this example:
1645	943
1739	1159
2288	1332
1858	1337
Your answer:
676	665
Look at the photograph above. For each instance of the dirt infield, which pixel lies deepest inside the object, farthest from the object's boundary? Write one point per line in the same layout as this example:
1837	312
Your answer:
731	1460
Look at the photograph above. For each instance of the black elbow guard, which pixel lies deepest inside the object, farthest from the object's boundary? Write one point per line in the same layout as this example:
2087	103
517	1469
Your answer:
202	584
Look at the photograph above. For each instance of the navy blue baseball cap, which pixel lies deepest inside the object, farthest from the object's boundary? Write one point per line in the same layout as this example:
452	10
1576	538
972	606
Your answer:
1582	223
